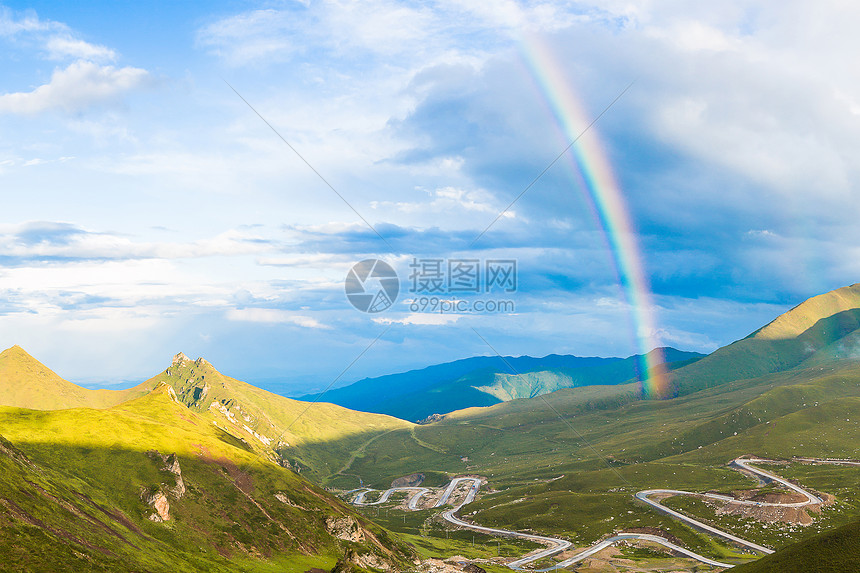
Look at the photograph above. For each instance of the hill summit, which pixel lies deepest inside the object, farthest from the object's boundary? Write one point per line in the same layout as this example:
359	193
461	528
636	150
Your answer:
793	323
822	328
27	383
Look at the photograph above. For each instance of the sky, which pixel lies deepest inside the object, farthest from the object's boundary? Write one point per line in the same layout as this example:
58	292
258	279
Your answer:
201	177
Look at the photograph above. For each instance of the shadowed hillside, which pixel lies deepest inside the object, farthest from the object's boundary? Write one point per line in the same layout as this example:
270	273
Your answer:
836	551
149	485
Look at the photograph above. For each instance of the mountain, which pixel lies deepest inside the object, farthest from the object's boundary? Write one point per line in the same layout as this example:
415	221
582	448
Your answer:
822	327
834	551
150	485
486	380
314	438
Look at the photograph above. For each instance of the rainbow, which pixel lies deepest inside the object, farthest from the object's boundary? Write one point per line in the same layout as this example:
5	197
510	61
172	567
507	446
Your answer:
589	160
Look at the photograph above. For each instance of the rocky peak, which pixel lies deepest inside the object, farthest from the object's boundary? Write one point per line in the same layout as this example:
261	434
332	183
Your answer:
179	359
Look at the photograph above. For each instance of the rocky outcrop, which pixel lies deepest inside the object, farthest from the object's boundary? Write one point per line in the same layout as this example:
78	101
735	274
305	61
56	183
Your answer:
352	560
431	418
412	480
159	503
157	497
179	359
344	528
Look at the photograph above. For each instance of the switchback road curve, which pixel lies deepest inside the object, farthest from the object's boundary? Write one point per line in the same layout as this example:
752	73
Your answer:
555	545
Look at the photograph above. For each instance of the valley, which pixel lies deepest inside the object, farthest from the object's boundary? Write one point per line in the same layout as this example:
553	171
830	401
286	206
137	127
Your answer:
558	548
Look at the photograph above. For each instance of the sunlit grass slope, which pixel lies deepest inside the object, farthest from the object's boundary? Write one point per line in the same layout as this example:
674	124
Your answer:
76	485
27	383
803	316
315	438
788	341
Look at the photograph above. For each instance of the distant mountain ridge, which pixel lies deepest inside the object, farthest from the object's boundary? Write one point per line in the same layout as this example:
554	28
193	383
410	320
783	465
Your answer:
486	380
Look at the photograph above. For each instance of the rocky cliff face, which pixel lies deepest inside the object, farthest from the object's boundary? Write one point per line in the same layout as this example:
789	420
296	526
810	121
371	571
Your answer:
157	497
344	528
189	380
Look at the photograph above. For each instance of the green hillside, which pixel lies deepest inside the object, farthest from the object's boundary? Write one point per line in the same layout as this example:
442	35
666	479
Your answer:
151	486
316	439
803	316
569	462
822	322
835	551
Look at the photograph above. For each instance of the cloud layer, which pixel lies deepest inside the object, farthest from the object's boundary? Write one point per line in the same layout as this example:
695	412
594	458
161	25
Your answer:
161	214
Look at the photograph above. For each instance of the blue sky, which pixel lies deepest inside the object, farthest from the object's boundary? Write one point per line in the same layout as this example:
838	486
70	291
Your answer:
147	210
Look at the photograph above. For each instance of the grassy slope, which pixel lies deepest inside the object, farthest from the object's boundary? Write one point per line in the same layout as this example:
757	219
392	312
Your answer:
608	446
802	317
785	343
72	484
27	383
317	439
835	551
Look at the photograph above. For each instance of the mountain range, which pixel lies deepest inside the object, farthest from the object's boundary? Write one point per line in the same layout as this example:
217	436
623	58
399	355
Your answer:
194	470
488	380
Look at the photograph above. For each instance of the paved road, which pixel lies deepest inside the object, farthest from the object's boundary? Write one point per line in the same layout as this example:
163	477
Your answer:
413	499
555	545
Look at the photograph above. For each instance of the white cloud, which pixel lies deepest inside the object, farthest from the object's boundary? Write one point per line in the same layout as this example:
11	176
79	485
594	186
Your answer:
62	47
79	86
38	240
444	31
28	23
251	36
274	316
450	199
421	318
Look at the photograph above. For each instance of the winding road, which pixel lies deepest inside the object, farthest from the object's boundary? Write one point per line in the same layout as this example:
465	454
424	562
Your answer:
555	545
